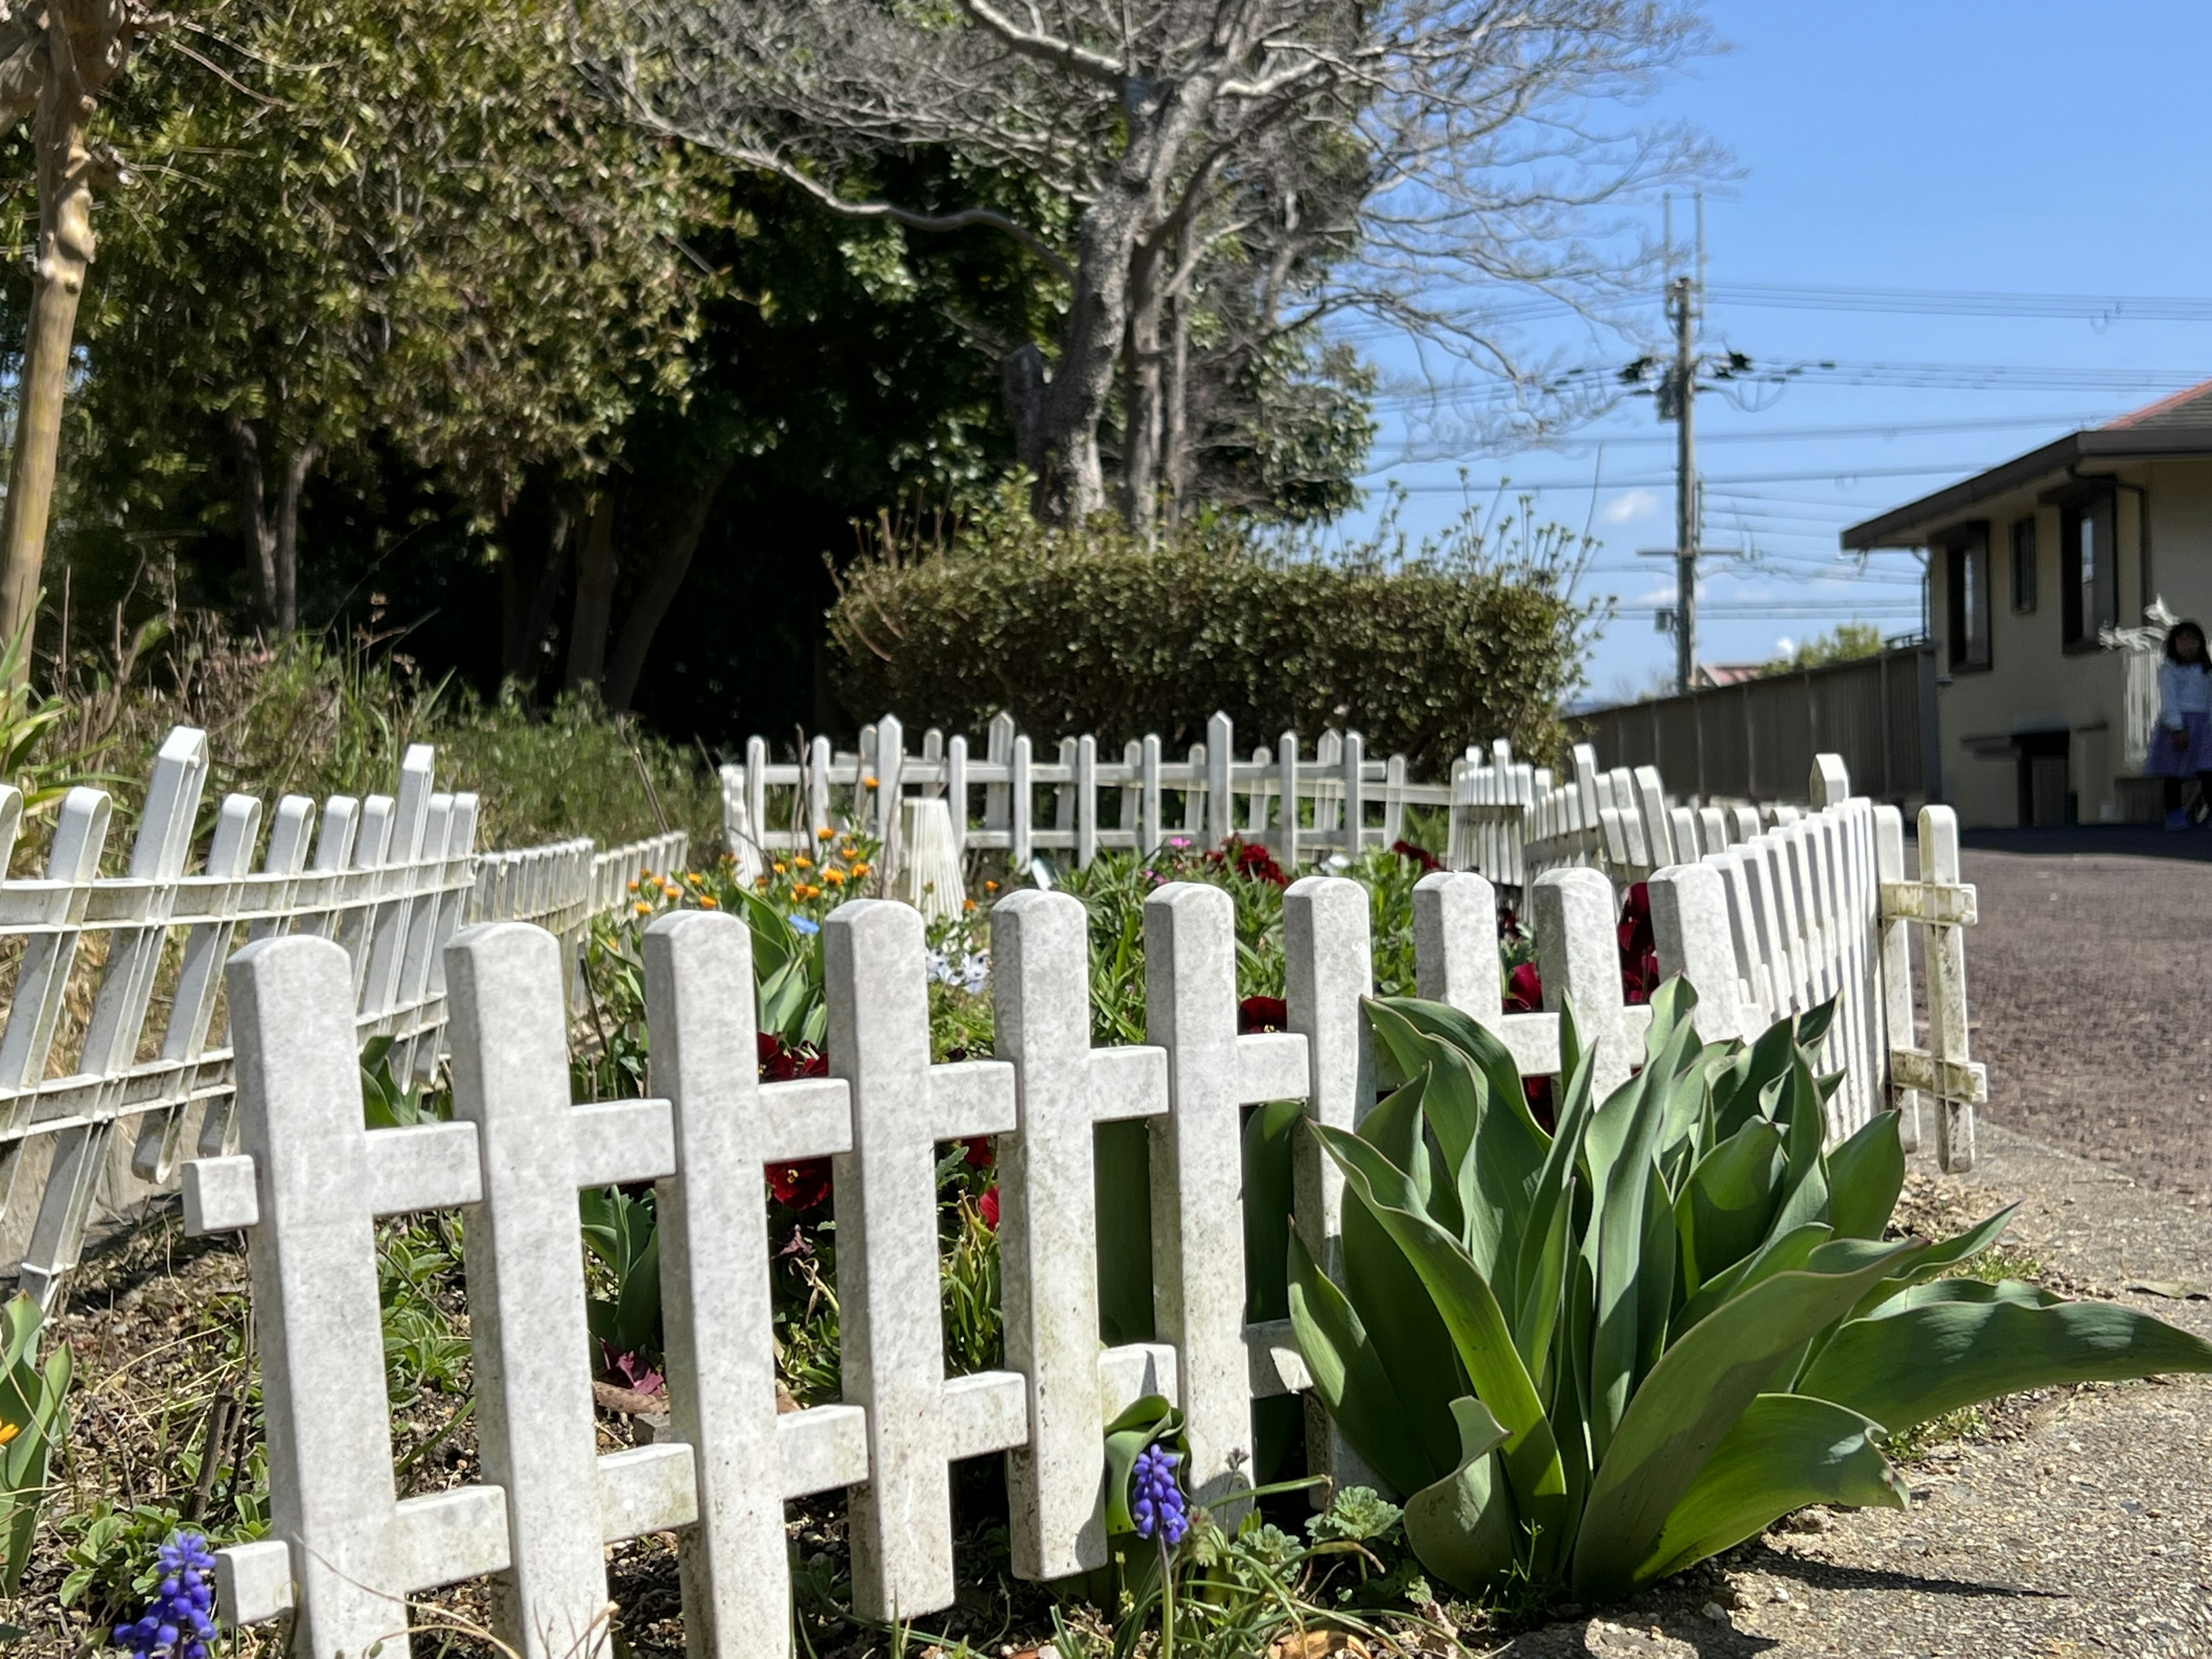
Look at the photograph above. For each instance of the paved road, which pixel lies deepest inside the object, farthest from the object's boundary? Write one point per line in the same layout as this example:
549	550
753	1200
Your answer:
2089	984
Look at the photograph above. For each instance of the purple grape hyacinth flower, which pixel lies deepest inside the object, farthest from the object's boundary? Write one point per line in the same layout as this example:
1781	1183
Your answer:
1156	1501
178	1623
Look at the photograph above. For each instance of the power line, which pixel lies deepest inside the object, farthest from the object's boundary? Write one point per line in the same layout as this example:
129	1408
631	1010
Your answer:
1965	303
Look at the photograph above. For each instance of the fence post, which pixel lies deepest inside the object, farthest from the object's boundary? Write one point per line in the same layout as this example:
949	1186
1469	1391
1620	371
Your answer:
819	760
891	1330
1455	957
1955	1149
1896	968
1020	798
1151	831
891	763
998	750
1578	957
1048	1218
1197	1168
1220	758
1690	927
1286	771
956	790
1087	800
1355	793
1330	965
715	1271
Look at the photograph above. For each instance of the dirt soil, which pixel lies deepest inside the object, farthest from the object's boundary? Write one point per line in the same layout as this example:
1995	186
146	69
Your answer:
2089	993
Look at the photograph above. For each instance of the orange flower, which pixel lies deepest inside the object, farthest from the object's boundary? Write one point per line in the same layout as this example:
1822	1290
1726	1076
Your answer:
868	783
642	908
8	1431
967	904
804	862
825	832
633	887
707	902
990	886
834	878
782	870
760	881
860	870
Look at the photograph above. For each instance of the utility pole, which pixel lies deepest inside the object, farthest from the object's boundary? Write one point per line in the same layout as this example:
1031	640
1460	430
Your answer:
1682	305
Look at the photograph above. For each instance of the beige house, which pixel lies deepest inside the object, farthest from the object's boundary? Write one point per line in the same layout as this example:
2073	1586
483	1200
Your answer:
2040	573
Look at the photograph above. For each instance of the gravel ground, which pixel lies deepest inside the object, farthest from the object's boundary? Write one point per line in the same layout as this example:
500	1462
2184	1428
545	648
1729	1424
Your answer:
2078	1523
2088	980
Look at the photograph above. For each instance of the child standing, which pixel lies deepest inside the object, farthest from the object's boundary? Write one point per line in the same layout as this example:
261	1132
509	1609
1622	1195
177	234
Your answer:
2181	747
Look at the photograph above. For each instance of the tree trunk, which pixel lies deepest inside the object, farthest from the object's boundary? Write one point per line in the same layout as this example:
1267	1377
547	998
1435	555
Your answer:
661	584
271	535
253	526
595	593
1175	420
530	586
1143	422
65	249
86	43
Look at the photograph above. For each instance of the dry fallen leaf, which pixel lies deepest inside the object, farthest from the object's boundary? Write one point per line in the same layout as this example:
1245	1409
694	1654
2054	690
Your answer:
1318	1644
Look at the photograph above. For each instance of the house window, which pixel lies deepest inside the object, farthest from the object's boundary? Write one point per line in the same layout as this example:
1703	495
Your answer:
2023	566
1967	561
2087	568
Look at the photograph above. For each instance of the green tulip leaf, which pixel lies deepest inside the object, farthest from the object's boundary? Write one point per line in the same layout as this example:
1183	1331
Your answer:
1865	1175
1784	1452
1461	1526
1908	1366
1351	1379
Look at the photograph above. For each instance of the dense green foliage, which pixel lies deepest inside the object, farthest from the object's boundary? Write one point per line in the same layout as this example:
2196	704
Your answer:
1422	649
1597	1358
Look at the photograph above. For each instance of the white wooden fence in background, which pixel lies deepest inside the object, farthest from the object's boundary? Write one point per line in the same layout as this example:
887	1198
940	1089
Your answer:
114	983
1779	923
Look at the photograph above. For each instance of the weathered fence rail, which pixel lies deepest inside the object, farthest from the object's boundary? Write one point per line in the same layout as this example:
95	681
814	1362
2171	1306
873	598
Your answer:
1786	918
114	1056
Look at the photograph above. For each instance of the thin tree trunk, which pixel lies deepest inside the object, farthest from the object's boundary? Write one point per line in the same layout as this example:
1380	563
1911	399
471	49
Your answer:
297	466
660	587
595	593
1174	423
86	43
1142	418
254	529
529	589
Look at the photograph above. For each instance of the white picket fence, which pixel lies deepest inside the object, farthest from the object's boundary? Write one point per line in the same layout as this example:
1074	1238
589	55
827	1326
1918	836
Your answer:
1779	923
1136	801
114	1012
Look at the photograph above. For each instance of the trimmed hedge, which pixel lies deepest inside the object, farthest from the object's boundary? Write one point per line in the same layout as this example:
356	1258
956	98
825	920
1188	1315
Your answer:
1423	650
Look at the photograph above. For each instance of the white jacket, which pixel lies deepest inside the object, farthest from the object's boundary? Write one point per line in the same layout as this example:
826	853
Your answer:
2182	689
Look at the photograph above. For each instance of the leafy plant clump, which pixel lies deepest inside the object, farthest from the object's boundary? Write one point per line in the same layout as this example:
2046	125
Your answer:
1093	629
1597	1358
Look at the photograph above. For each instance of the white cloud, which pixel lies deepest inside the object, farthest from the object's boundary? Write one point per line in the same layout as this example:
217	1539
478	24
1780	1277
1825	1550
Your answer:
1628	505
1785	646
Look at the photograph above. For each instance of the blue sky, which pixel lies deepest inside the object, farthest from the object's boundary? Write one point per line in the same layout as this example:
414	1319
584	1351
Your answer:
2026	147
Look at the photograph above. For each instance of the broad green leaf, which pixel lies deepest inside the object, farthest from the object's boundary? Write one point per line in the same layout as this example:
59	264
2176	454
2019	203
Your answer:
1968	1290
1728	1201
1812	1025
1962	1247
1484	1051
1865	1175
1689	1404
1461	1526
1911	1365
1787	1254
1539	1281
1470	1313
1784	1452
1148	1419
1351	1380
1269	1132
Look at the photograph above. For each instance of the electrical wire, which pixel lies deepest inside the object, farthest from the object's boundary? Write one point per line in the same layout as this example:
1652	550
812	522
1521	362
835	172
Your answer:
1962	302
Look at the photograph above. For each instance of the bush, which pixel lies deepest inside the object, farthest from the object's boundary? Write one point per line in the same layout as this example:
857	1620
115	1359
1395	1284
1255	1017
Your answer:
1423	649
319	717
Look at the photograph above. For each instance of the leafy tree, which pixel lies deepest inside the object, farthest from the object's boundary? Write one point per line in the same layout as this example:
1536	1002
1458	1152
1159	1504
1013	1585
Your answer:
1407	160
359	223
1845	642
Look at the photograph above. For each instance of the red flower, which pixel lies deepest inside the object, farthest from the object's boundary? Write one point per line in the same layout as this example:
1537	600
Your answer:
1251	860
1639	955
1539	1091
1421	855
780	1063
1263	1014
979	1152
987	1208
632	1372
1524	990
802	1185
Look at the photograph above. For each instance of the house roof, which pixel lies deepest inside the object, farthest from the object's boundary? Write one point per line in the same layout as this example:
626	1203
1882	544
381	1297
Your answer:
1731	673
2179	425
